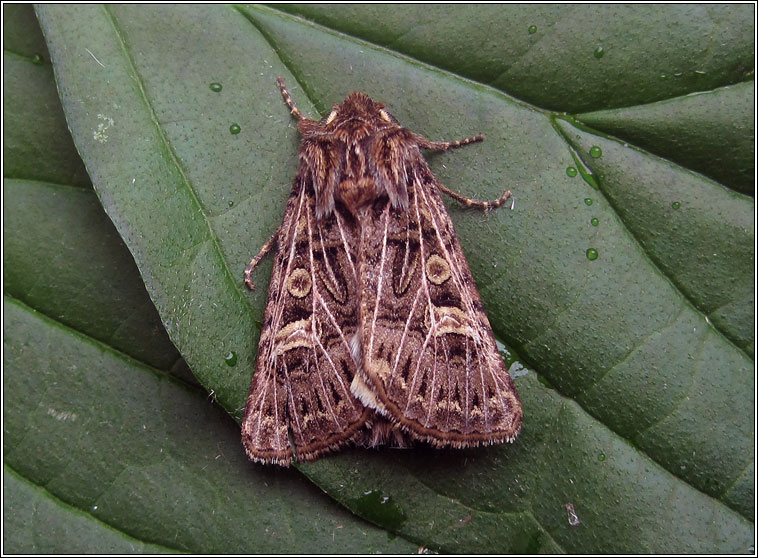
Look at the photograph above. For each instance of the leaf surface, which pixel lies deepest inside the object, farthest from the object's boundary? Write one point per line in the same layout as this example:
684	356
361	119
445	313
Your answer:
640	374
153	459
110	446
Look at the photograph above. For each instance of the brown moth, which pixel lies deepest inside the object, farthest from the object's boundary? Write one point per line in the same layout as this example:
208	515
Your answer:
374	331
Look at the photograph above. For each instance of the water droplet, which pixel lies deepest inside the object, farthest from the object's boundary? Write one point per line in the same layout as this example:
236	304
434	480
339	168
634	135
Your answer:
662	76
596	152
532	29
601	457
678	74
216	86
235	128
676	205
599	52
231	358
571	171
591	254
231	203
588	201
37	59
699	72
584	171
595	221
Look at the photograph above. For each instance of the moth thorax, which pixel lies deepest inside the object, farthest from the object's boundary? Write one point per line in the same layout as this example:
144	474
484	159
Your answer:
356	193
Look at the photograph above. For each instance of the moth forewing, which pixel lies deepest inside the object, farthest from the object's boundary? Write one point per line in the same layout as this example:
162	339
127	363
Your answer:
302	382
430	357
371	306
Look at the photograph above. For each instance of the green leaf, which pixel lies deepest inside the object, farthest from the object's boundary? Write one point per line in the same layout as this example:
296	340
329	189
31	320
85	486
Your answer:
104	452
38	523
36	142
60	247
643	378
153	459
548	55
710	132
698	233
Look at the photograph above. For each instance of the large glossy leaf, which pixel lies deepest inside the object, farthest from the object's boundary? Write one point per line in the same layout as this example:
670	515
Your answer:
652	374
36	522
105	450
636	65
158	463
36	142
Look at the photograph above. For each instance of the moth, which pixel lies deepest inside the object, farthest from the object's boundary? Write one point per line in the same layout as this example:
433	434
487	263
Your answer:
374	332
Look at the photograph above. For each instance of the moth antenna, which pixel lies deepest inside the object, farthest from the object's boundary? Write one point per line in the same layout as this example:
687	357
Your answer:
288	100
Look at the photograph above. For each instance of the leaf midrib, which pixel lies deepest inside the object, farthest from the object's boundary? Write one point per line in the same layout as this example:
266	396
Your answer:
235	287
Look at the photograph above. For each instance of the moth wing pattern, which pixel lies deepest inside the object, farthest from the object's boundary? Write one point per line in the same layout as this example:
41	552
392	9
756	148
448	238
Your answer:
374	332
301	387
430	363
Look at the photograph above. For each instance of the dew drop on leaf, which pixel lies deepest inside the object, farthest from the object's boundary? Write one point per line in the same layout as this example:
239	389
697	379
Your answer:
588	201
571	171
216	87
599	52
596	152
235	128
532	29
231	358
592	254
595	221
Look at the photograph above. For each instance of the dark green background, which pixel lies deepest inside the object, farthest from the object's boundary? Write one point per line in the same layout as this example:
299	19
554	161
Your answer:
635	369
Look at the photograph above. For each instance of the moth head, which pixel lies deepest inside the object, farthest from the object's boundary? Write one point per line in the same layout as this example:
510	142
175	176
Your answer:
359	106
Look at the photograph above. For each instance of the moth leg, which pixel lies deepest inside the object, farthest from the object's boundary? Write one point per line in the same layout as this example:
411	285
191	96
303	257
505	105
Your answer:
258	257
468	202
288	100
424	143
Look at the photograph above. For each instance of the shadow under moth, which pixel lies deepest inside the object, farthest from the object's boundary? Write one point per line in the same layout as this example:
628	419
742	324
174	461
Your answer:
374	332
